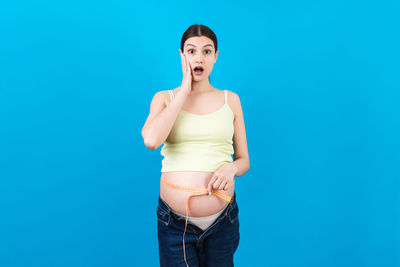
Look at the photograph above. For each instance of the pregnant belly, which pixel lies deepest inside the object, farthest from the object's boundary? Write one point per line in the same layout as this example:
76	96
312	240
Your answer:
199	206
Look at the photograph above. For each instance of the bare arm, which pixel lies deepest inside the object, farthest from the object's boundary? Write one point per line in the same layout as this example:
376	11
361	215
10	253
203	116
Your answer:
241	156
161	119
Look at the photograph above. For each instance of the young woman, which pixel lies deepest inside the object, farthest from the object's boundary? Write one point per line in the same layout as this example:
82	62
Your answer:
200	127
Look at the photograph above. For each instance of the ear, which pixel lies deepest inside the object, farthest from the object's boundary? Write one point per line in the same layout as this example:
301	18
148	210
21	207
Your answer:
216	56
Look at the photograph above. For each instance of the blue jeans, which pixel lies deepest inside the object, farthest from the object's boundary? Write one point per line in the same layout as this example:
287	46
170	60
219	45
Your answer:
213	247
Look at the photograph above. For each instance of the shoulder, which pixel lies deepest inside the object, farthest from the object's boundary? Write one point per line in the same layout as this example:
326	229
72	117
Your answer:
163	96
234	102
158	98
233	97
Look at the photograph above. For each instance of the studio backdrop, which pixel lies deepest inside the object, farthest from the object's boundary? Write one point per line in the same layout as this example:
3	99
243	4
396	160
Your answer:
319	87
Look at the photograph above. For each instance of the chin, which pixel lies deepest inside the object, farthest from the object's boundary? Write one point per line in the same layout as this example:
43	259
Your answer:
199	78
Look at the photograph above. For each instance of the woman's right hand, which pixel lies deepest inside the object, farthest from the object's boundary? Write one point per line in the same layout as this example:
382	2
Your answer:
187	74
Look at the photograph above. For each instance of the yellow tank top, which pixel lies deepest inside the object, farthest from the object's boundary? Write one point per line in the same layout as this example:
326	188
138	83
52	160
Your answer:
199	142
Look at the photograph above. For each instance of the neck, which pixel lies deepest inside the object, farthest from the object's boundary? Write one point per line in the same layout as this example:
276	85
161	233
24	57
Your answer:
201	86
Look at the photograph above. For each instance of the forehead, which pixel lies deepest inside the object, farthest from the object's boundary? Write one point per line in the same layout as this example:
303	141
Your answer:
199	42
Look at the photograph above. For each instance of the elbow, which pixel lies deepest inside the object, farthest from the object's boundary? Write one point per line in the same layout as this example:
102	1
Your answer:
147	141
150	144
150	141
247	166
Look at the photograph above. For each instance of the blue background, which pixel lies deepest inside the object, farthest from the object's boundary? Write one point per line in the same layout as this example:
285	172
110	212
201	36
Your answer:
319	84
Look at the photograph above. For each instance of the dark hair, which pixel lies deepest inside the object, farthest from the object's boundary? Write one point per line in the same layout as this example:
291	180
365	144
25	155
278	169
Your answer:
199	30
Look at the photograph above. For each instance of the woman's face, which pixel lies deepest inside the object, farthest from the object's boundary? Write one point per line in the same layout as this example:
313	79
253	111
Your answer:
200	51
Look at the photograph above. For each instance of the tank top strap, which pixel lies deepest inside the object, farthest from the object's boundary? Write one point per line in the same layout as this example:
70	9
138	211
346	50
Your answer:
171	94
226	96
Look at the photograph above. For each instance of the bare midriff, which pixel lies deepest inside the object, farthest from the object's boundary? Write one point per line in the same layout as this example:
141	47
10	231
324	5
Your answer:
200	206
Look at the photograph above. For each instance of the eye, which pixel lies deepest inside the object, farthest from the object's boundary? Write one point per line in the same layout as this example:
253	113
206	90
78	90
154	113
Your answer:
207	50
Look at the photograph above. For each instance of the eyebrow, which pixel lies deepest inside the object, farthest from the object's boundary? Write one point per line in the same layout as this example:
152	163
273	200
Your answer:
203	46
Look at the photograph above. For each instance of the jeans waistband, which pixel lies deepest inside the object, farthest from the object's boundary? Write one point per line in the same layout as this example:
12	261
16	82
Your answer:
165	207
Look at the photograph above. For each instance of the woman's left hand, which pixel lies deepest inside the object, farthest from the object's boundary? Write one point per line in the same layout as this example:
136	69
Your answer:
223	178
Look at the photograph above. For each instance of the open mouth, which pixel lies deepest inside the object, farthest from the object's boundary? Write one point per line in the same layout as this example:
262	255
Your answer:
198	70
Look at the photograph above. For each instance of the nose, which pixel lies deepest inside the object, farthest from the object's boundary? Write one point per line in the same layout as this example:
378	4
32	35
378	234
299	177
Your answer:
198	59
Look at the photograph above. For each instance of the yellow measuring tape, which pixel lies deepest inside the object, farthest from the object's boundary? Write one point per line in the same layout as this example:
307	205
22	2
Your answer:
196	192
